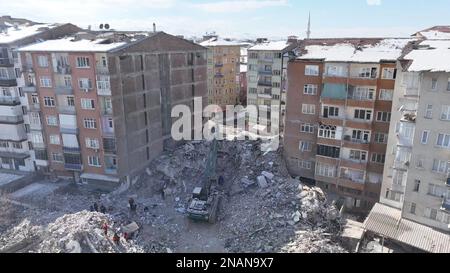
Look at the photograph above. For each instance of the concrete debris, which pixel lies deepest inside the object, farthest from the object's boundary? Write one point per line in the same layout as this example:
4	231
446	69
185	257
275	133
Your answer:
268	175
262	182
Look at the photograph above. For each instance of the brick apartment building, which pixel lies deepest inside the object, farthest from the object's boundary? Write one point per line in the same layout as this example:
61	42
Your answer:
338	111
100	103
15	152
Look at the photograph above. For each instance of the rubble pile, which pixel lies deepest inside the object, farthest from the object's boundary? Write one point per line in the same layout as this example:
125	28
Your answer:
73	233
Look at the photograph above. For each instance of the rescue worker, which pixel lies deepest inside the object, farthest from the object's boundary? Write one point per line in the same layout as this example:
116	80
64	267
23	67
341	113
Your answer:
96	207
105	228
102	209
116	238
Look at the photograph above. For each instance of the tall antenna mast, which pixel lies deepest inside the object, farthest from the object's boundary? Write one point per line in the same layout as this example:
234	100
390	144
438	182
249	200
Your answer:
308	32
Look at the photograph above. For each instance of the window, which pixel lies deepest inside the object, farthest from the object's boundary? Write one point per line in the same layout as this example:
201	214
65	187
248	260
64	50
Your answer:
362	93
330	112
383	116
4	73
90	123
35	118
49	102
386	94
87	104
40	154
45	82
389	73
17	145
310	89
399	178
103	82
443	141
440	166
368	72
94	161
70	101
85	83
434	83
307	128
416	185
378	158
358	155
412	209
361	136
363	114
325	170
276	85
52	120
55	140
36	137
83	62
111	123
435	190
35	99
328	151
381	138
326	131
57	157
429	112
308	109
445	113
4	144
68	81
425	135
433	214
312	70
419	162
305	146
42	61
92	143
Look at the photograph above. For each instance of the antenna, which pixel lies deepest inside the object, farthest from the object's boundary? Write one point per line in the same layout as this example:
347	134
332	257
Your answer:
308	32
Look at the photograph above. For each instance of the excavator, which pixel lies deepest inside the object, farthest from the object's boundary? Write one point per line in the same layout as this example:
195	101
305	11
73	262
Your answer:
204	203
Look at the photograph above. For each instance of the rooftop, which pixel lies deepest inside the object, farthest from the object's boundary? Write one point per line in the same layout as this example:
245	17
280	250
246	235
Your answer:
430	55
219	42
11	32
86	42
354	50
271	46
434	33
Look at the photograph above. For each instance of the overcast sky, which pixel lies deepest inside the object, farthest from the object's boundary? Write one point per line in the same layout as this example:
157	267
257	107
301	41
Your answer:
243	18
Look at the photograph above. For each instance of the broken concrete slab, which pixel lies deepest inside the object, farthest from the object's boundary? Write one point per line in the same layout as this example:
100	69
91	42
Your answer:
268	175
262	182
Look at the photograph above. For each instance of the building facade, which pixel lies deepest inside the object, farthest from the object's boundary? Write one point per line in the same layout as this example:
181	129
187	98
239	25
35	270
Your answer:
338	111
266	76
15	151
100	110
223	71
417	172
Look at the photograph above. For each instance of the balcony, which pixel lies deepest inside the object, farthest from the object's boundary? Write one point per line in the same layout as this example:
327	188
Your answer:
348	182
446	204
354	164
72	150
11	119
9	101
334	91
29	88
102	70
401	165
265	83
8	82
28	67
34	107
265	60
64	90
104	92
63	70
265	72
70	131
36	126
6	62
107	112
111	171
73	167
70	110
265	96
358	144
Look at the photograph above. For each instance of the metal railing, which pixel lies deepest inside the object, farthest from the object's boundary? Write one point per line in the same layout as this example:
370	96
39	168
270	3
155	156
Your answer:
9	101
11	119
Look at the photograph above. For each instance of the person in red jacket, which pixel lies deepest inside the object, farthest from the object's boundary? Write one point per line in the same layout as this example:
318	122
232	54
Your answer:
116	238
105	228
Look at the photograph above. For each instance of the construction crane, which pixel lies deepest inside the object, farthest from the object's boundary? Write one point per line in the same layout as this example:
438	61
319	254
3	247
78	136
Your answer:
204	203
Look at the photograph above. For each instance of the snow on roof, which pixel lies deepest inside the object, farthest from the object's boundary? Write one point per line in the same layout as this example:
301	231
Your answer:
243	68
433	55
271	46
23	31
68	44
219	42
385	49
435	35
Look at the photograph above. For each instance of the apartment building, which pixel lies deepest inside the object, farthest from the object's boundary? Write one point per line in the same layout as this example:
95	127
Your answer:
338	111
100	103
223	71
417	172
15	151
266	75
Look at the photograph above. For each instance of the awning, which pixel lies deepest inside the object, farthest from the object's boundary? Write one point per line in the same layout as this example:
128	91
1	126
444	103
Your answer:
388	222
100	177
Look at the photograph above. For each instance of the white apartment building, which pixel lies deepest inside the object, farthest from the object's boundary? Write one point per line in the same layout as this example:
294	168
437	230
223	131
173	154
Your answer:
417	171
267	73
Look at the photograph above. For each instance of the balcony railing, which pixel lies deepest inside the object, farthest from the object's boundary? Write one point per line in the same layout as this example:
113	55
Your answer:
34	107
70	131
8	82
29	88
446	204
111	170
348	138
72	150
265	83
102	70
104	92
265	72
64	90
11	119
6	62
11	101
64	70
73	167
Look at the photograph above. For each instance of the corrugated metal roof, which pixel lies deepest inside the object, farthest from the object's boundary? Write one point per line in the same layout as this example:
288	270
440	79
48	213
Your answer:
388	222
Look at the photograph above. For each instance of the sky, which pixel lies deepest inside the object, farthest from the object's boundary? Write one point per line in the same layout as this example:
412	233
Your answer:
275	19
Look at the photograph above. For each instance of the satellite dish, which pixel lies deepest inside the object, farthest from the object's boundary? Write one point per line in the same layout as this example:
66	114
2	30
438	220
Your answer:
106	26
101	26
